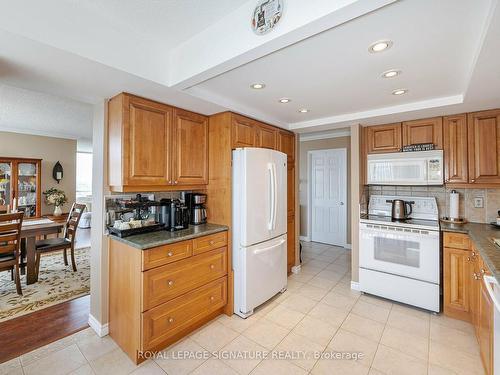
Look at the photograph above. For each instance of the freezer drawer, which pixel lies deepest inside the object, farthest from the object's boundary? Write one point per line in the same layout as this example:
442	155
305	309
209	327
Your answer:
260	273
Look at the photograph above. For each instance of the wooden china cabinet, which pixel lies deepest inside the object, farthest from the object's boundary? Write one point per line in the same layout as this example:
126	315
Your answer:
20	183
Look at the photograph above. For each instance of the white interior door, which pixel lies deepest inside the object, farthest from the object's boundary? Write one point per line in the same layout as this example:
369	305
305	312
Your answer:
328	204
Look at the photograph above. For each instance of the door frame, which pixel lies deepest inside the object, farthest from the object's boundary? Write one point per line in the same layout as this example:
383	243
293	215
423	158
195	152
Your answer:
309	193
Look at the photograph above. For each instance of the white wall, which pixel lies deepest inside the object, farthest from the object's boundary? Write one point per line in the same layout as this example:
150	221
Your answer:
99	254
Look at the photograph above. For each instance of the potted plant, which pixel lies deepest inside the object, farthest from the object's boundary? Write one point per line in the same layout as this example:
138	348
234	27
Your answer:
57	198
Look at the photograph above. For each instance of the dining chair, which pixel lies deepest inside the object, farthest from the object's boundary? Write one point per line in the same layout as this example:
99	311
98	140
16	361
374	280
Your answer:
10	242
50	245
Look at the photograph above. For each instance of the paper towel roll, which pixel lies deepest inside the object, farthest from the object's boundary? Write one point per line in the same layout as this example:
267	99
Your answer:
454	204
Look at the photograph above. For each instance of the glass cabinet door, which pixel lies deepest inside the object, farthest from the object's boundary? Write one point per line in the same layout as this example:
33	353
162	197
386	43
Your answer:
5	185
27	188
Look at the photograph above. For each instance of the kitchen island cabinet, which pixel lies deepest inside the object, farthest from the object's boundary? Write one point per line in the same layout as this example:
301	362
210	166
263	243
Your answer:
159	293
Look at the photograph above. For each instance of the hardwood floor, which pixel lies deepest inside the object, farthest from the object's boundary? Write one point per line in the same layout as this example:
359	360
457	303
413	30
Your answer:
26	333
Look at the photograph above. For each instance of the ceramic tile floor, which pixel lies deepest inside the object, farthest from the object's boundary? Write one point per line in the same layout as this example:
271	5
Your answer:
318	314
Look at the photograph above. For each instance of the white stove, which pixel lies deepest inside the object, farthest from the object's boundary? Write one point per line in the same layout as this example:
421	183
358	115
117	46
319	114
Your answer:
400	260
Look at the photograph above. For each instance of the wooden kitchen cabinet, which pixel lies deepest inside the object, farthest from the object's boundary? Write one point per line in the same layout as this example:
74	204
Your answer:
286	144
456	274
384	138
267	137
424	131
291	240
244	132
155	147
190	148
159	295
484	146
456	169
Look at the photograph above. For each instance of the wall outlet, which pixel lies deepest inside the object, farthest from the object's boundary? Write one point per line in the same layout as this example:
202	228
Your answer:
478	202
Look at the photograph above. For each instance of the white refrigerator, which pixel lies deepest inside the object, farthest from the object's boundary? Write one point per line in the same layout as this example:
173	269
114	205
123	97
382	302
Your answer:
259	241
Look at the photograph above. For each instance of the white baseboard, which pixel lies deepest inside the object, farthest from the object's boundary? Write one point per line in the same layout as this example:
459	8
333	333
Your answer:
354	285
304	238
296	269
101	329
347	246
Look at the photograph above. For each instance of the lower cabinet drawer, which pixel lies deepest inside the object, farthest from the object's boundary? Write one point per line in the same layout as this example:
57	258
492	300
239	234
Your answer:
164	283
456	241
207	243
168	319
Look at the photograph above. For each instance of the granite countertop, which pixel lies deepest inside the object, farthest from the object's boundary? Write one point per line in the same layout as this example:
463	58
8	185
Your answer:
481	235
153	239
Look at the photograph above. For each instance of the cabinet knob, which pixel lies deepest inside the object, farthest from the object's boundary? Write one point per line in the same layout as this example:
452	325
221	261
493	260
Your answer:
170	320
170	282
473	253
212	242
175	182
473	180
170	253
483	271
212	298
468	259
170	181
212	266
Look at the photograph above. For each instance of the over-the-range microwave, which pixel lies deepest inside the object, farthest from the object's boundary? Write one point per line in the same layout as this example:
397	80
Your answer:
406	168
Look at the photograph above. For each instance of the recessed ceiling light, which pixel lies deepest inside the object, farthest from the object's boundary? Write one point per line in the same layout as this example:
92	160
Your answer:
379	46
391	73
399	92
285	100
303	110
258	86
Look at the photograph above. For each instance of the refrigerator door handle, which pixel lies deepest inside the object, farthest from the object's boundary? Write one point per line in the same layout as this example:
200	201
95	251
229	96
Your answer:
272	197
263	250
275	199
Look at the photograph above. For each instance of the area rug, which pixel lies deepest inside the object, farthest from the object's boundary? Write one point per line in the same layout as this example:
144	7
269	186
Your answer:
56	283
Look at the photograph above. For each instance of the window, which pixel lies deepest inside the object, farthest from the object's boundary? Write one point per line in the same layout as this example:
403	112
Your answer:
83	174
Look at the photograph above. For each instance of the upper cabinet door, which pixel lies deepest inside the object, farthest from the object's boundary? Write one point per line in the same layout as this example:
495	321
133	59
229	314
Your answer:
244	132
384	138
286	144
266	137
455	149
424	131
484	146
190	148
145	143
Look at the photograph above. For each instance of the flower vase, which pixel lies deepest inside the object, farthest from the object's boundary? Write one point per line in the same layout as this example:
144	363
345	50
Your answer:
57	211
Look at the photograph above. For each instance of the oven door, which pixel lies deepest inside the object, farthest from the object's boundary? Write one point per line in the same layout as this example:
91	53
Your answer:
400	251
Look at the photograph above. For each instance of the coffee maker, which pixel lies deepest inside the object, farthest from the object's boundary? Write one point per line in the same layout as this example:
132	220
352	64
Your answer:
196	206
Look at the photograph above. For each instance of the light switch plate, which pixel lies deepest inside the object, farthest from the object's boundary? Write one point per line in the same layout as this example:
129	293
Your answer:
478	202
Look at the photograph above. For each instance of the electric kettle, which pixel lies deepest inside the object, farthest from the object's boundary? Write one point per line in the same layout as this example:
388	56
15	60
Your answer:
401	209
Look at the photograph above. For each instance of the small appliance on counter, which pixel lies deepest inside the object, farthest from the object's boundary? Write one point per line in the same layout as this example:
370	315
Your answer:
454	217
163	213
400	209
179	216
196	205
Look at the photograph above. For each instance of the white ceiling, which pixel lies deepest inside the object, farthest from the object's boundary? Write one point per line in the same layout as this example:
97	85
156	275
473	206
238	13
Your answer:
202	56
435	45
37	113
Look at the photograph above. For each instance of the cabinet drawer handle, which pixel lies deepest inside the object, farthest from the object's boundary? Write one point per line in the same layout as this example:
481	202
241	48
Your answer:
212	266
473	180
170	282
212	242
170	253
170	320
175	182
483	271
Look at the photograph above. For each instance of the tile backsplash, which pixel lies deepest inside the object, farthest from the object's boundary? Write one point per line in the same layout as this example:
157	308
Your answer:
485	214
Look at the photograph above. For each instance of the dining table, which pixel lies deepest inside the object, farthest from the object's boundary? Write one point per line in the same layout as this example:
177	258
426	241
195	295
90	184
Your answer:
30	230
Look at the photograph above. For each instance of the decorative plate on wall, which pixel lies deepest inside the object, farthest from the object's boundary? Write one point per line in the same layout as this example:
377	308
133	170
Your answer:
266	15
